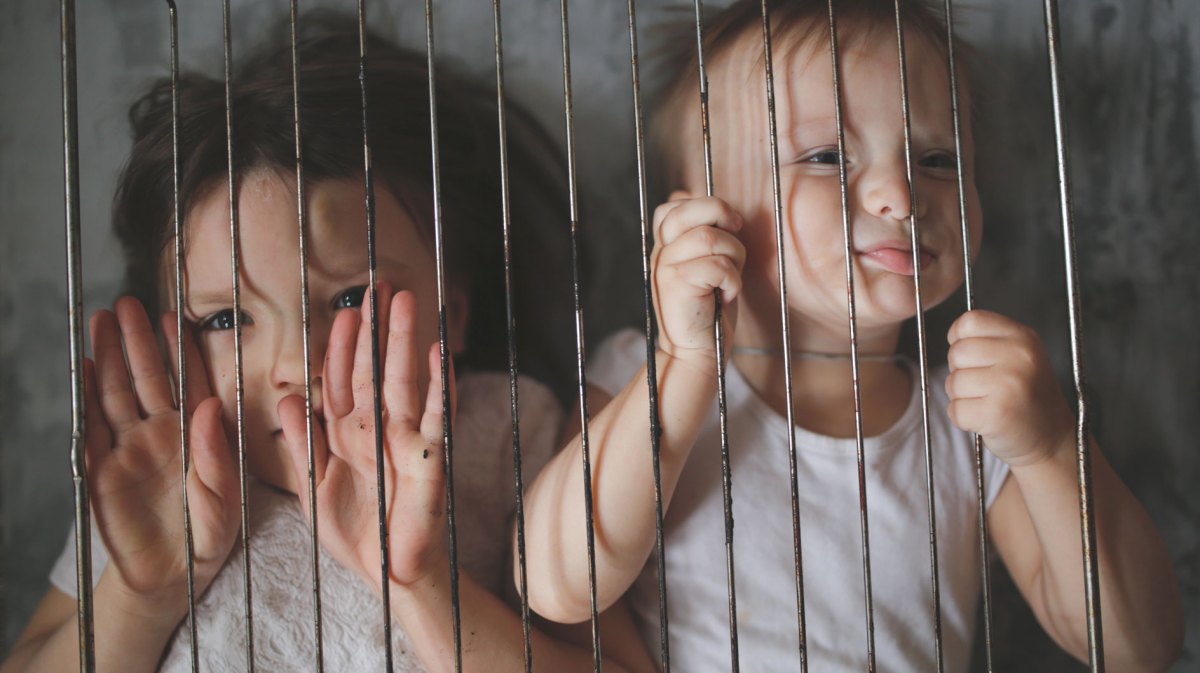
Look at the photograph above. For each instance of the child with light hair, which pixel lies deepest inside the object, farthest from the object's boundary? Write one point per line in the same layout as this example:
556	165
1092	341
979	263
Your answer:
999	384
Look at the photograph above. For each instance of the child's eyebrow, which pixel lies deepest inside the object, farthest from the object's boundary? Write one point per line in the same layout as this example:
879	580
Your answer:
209	297
357	267
805	123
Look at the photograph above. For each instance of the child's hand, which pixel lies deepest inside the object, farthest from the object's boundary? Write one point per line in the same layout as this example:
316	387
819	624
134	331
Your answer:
347	502
695	252
1002	387
133	461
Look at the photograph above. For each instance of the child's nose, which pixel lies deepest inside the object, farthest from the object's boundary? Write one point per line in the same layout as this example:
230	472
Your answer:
288	368
885	192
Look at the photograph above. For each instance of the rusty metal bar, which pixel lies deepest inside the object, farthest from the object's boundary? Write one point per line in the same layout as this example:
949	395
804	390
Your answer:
510	308
443	345
968	279
1087	511
239	381
83	526
785	327
651	361
922	352
181	360
852	314
719	343
580	356
306	322
376	378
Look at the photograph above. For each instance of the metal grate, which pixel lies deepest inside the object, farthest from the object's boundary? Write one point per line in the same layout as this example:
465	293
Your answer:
78	412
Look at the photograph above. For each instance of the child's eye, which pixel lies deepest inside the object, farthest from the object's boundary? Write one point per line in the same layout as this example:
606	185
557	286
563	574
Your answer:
940	160
350	298
222	320
827	157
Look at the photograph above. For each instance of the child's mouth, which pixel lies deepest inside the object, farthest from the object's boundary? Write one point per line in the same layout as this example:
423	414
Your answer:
895	257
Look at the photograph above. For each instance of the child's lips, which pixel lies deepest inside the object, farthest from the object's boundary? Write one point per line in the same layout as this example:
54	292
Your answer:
896	257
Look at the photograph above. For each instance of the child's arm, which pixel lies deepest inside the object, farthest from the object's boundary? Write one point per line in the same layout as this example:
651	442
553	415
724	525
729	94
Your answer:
695	252
345	472
133	459
1003	388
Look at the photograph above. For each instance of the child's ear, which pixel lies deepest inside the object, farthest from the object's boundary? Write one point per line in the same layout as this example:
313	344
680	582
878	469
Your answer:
458	316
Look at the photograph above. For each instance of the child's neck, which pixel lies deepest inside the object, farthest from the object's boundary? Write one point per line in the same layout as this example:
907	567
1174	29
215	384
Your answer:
823	389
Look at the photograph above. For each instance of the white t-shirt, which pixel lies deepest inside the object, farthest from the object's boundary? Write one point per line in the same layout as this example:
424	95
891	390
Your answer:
351	610
827	477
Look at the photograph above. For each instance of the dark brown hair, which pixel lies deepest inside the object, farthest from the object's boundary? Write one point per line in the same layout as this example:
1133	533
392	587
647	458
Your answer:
330	111
795	25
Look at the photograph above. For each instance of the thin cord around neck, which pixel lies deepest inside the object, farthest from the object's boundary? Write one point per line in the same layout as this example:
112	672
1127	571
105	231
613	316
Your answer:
812	355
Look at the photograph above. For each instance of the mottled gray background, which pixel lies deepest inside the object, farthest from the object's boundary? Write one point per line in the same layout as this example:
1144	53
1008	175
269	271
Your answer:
1133	110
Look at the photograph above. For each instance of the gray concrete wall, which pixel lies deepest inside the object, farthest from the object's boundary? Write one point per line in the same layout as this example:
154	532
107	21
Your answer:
1133	109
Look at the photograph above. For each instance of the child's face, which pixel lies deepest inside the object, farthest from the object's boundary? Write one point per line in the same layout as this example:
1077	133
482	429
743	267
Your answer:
272	332
878	196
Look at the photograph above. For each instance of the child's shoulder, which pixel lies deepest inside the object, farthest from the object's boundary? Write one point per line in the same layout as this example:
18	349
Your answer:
483	420
485	397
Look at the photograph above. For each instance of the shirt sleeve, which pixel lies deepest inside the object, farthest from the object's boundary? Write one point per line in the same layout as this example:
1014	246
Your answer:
616	360
62	574
995	473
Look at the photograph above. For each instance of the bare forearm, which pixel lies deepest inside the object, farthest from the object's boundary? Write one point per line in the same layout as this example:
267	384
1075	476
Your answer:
492	636
1139	595
129	636
623	492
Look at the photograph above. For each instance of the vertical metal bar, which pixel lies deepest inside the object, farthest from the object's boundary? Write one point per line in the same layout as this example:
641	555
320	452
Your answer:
510	308
443	344
83	526
915	242
847	233
719	343
576	285
785	323
968	279
1087	512
180	355
651	364
235	267
376	379
305	319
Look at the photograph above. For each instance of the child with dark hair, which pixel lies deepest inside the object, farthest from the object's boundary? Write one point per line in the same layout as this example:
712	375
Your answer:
999	384
132	441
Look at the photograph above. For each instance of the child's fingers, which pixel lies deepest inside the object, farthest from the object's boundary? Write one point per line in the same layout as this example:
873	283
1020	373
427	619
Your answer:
362	377
706	274
978	352
112	378
339	361
969	384
97	437
197	387
965	413
676	199
700	212
980	323
212	471
295	435
400	385
704	242
150	380
431	420
660	214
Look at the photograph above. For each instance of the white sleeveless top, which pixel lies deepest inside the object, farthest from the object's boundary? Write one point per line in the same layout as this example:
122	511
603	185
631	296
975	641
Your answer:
351	611
827	477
